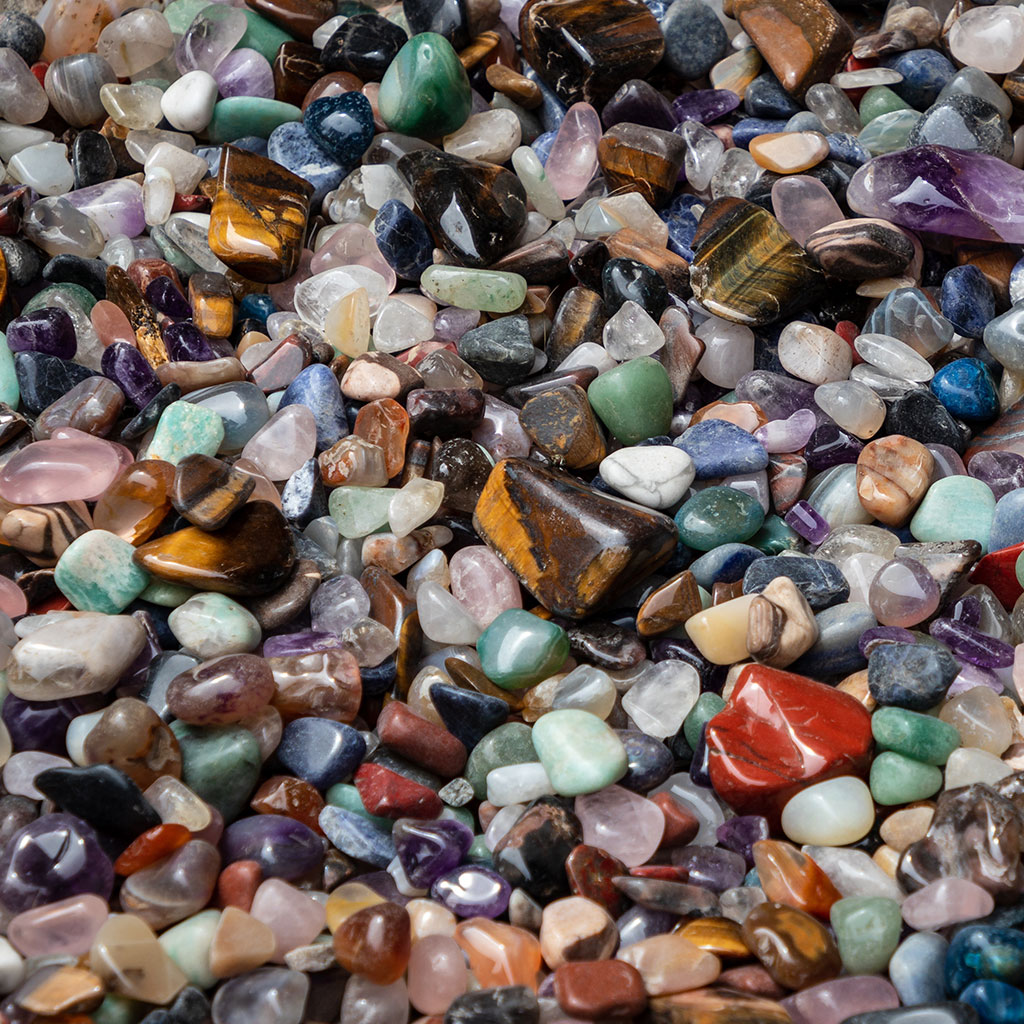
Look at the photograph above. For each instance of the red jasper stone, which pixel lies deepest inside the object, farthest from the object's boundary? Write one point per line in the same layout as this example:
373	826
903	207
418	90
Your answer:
998	571
590	872
780	732
237	884
422	742
390	795
681	825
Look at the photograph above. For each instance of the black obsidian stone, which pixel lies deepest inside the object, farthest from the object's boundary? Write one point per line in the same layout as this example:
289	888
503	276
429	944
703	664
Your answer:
364	45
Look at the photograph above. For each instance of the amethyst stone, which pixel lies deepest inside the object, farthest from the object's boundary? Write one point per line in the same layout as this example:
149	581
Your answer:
472	891
739	835
705	105
638	102
187	343
48	330
127	367
283	847
163	295
969	643
829	446
288	644
712	867
805	520
429	849
1002	471
876	635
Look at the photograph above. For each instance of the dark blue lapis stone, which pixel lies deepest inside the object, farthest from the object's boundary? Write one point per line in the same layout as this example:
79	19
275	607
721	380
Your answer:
847	149
766	98
129	369
681	217
403	240
924	73
292	146
318	390
320	751
341	125
468	715
720	448
966	300
911	676
966	389
42	379
256	306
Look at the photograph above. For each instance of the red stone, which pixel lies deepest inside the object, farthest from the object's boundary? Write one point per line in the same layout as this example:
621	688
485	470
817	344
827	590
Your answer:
390	795
780	732
590	872
148	848
664	872
238	883
681	825
600	990
190	204
57	603
998	571
422	742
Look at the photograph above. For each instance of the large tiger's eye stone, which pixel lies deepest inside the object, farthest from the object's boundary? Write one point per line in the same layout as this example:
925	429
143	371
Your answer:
258	220
561	423
572	547
586	49
796	949
207	491
746	268
635	158
253	554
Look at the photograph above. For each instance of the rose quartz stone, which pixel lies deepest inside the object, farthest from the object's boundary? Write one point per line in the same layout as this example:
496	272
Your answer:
66	927
573	158
483	584
44	472
833	1001
621	823
283	443
944	902
12	598
437	974
352	244
295	918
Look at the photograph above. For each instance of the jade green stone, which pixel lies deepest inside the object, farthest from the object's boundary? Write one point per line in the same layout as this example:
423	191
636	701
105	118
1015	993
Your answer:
492	291
359	511
511	743
219	763
914	735
479	852
774	537
237	116
718	515
10	393
460	814
895	779
170	252
188	945
117	1010
186	429
888	132
579	751
61	295
210	624
167	595
708	705
263	36
519	649
425	91
867	932
955	508
181	13
96	573
634	400
346	796
877	100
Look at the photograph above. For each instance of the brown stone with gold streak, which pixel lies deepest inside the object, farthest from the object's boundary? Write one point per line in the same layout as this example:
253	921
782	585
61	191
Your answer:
124	292
562	425
636	158
669	606
716	1006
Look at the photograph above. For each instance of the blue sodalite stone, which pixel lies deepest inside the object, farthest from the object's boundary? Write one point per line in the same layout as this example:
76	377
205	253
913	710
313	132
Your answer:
725	564
42	379
292	146
403	240
911	676
966	300
966	389
341	125
765	97
357	837
924	73
542	146
551	110
695	38
303	497
847	149
836	652
318	390
320	751
820	581
720	448
469	716
681	217
1008	521
749	128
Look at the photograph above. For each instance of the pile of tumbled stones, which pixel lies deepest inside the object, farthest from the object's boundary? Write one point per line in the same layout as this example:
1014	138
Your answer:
511	512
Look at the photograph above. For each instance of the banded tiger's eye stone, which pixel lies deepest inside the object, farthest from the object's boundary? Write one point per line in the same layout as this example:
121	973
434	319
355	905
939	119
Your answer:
213	308
135	504
43	532
258	220
746	268
252	555
586	49
561	423
796	949
572	547
722	1006
635	158
207	491
669	606
126	294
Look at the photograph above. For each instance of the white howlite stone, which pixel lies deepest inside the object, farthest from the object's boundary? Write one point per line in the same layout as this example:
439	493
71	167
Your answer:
653	475
188	103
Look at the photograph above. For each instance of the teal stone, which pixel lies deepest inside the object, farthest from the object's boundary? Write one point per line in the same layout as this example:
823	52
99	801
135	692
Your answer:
775	536
188	945
219	763
345	795
116	1010
955	508
912	734
878	100
718	515
479	852
359	511
708	705
519	649
181	13
263	36
10	394
167	595
580	752
96	573
425	91
895	779
186	429
511	743
211	625
634	400
61	295
867	932
888	133
238	116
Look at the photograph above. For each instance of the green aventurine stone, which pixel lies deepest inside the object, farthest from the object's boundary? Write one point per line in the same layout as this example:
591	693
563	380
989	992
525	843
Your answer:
425	91
63	293
359	511
511	743
346	796
262	35
708	705
10	393
634	400
914	735
188	945
96	573
896	779
519	649
116	1010
579	751
774	537
237	116
186	429
867	931
717	515
879	99
219	763
955	508
492	291
479	852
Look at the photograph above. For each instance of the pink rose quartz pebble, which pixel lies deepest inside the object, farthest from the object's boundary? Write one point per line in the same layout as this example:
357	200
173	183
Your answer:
295	918
573	158
834	1001
66	927
482	584
13	601
946	901
437	974
621	823
45	472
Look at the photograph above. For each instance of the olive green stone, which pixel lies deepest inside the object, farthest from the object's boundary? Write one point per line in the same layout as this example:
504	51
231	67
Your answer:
219	763
238	116
708	705
188	945
519	649
879	99
425	91
914	735
492	291
580	752
867	932
634	400
896	779
718	515
511	743
263	36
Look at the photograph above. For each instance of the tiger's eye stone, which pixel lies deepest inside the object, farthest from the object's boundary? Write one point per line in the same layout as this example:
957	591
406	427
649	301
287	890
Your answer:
572	547
213	307
135	504
43	532
796	949
561	423
375	943
669	606
131	736
586	49
252	555
207	491
126	294
746	268
717	1005
635	158
258	220
296	69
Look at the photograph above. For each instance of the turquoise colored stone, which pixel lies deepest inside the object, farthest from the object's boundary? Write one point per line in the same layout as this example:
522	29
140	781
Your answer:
345	795
167	595
186	429
96	573
896	779
634	400
262	35
867	932
580	752
238	116
214	624
708	705
359	511
955	508
219	763
912	734
425	91
718	515
188	945
995	1001
511	743
519	649
775	536
10	393
115	1010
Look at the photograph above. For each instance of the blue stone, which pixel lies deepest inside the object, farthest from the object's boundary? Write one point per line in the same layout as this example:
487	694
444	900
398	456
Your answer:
469	716
303	497
648	761
681	217
357	837
320	751
979	951
403	240
995	1001
725	564
380	678
720	448
341	125
542	146
836	652
805	121
695	38
292	146
745	131
924	73
256	306
847	149
551	110
927	1013
966	389
966	300
917	968
911	676
1008	520
765	97
318	390
820	581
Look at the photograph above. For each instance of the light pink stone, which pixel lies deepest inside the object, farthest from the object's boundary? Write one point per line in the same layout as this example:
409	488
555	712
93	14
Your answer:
45	472
802	205
834	1001
352	244
13	601
22	768
65	927
622	823
944	902
295	918
110	324
437	974
283	443
483	584
573	158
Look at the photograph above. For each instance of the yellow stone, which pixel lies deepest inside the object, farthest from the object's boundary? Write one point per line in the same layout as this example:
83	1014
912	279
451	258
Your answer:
720	632
716	935
240	943
347	326
907	825
347	900
736	71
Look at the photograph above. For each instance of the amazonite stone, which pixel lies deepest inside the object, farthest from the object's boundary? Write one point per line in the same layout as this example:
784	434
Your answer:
867	932
425	91
955	508
718	515
188	945
492	291
634	400
221	764
211	625
922	737
238	116
96	573
896	779
580	753
186	429
359	511
167	595
10	394
519	649
263	36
